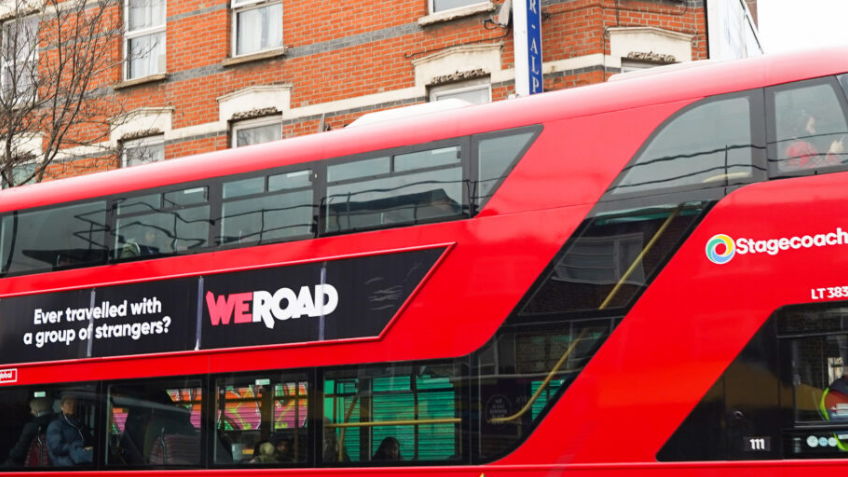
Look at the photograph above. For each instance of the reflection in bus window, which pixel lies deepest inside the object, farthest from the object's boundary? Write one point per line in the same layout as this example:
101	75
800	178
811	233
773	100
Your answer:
53	238
809	127
610	261
708	145
277	207
403	189
154	226
253	412
155	424
419	405
495	158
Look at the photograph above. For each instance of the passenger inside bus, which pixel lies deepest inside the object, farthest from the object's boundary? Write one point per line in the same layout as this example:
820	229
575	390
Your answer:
834	400
42	412
389	451
69	441
802	152
148	245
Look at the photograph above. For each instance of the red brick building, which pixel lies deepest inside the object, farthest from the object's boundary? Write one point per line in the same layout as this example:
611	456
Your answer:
213	74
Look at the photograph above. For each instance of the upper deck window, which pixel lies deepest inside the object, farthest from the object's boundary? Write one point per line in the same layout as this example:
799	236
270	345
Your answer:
161	224
807	126
401	189
53	238
707	145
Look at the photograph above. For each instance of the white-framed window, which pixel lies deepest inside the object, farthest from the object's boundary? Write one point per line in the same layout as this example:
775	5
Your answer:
143	151
437	6
635	65
257	131
19	57
22	174
475	92
144	40
257	26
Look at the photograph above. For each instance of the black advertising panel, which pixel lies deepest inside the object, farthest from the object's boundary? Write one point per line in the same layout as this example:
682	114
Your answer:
331	300
349	298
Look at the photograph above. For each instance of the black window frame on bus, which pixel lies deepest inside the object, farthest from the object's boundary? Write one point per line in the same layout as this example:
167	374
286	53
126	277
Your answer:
758	156
468	163
839	90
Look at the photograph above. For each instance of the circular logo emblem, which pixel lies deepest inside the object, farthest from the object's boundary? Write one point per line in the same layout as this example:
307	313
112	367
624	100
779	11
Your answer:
720	249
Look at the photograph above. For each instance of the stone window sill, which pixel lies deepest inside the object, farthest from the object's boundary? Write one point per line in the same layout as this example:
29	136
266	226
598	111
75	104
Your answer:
455	13
144	80
264	55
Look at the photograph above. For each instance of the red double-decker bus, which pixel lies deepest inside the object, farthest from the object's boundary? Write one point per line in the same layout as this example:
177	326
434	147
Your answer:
643	277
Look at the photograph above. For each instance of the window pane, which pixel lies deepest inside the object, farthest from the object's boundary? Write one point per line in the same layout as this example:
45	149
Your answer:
474	96
258	135
145	14
262	420
353	170
195	195
263	219
259	29
146	55
400	199
420	406
705	146
844	81
495	157
608	264
439	5
162	233
513	367
57	237
244	187
423	159
155	424
810	128
144	153
290	180
145	203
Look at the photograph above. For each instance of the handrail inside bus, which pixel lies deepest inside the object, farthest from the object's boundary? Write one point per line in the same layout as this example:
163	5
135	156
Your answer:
548	378
639	258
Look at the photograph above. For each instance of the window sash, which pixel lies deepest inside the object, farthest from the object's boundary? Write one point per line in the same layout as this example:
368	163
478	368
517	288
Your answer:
23	63
143	151
242	131
438	6
148	61
462	89
274	38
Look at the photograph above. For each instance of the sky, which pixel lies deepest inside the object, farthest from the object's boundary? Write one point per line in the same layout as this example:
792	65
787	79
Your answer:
786	25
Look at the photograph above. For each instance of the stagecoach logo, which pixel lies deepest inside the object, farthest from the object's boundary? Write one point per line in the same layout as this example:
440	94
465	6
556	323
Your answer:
8	376
720	249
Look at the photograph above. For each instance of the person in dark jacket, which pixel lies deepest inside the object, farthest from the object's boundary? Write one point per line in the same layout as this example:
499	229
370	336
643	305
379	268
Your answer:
40	408
68	440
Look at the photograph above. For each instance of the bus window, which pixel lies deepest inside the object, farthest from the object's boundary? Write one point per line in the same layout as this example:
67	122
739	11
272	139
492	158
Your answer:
522	370
612	258
496	156
155	424
266	209
53	238
386	414
262	420
48	427
402	189
807	126
707	145
844	81
161	224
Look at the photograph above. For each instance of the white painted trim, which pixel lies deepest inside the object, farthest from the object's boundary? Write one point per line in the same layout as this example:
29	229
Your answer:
454	13
252	98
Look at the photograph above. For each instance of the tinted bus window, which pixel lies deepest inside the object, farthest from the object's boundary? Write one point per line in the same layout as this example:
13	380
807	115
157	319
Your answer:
155	424
53	238
387	191
614	258
495	158
277	207
708	145
262	420
162	224
388	414
808	127
49	427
